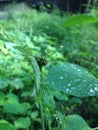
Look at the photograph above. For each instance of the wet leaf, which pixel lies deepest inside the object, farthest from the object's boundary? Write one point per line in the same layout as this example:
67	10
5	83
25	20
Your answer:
75	122
72	79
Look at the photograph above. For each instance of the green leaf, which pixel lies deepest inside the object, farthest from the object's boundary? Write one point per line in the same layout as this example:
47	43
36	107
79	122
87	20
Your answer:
12	108
3	83
24	107
4	125
36	72
23	123
16	108
72	79
79	19
34	115
75	122
11	104
2	98
17	83
59	115
28	55
26	51
12	98
60	96
48	100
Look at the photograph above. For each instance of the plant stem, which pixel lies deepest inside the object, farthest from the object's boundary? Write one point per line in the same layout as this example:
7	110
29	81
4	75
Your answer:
37	86
42	116
95	128
49	124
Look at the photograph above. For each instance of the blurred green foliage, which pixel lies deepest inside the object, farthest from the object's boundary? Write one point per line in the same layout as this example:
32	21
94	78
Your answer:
43	35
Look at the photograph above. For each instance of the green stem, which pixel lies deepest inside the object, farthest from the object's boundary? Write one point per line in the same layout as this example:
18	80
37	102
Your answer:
42	116
37	86
95	128
49	124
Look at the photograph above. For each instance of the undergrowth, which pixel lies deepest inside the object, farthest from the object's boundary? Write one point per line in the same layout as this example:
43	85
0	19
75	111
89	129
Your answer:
50	43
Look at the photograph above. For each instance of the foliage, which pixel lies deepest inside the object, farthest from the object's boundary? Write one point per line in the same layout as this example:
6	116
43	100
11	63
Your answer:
27	52
78	19
73	79
73	119
6	125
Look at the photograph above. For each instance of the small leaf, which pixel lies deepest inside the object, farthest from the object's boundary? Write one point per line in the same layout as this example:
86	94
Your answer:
12	108
79	19
11	97
60	96
23	123
26	51
24	107
17	83
4	125
11	104
34	115
3	83
59	115
72	79
48	100
75	122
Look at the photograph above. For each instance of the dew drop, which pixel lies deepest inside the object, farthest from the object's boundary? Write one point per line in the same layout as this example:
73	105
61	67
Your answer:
84	80
61	77
96	88
68	90
52	83
61	46
78	70
69	84
91	90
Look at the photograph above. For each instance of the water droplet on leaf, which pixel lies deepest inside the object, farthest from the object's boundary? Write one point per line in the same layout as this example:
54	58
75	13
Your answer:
61	77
